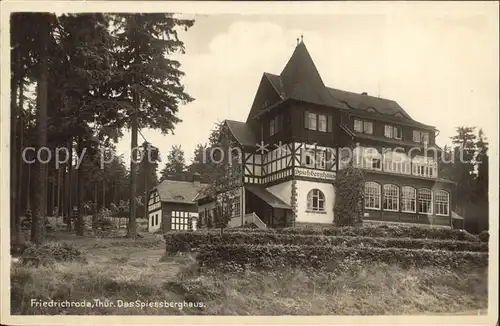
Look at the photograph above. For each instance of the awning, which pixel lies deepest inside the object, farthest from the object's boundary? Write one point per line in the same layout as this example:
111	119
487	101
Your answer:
268	197
456	216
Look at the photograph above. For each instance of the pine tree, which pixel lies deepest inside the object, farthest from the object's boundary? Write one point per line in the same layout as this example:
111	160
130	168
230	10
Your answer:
147	81
175	164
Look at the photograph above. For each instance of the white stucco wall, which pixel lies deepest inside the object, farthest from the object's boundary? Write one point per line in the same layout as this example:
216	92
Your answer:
303	216
283	191
151	216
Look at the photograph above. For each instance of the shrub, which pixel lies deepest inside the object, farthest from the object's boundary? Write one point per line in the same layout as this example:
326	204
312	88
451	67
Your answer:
484	236
349	188
49	253
191	241
330	258
390	231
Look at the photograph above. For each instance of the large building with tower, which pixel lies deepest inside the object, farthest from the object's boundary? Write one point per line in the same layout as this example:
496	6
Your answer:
299	133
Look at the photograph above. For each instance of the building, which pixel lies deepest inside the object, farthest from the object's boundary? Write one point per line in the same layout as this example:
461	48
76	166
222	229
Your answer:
171	204
299	133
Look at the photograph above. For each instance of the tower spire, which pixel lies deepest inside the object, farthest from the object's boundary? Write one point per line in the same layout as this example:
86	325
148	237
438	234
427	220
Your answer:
301	38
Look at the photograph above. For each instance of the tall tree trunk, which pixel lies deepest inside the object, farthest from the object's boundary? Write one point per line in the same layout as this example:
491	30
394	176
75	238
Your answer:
28	190
21	162
145	201
38	223
58	204
79	191
63	191
96	206
103	193
132	227
69	183
13	148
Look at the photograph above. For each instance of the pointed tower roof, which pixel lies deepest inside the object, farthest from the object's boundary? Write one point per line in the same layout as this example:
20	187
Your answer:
301	80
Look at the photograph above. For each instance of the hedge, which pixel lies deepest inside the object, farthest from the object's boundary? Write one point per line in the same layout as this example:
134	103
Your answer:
190	241
329	258
389	231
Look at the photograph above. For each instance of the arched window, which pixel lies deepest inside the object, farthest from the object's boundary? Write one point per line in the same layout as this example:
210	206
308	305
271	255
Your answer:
408	199
391	198
442	203
425	201
316	201
372	195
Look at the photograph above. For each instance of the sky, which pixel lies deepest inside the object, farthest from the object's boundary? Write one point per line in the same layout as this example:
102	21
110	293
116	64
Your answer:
440	66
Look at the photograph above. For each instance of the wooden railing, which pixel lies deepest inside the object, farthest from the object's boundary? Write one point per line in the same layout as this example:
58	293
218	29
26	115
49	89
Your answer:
253	218
247	219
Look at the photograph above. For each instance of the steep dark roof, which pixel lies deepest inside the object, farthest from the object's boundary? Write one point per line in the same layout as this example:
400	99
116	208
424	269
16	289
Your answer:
241	132
178	191
300	80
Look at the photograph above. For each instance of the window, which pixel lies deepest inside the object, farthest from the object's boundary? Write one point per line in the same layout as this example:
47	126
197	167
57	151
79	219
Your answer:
276	124
316	201
408	199
236	206
442	203
367	127
319	122
156	219
363	126
309	159
392	132
391	198
320	160
420	136
372	195
396	162
424	167
312	121
425	201
180	220
358	126
367	158
322	122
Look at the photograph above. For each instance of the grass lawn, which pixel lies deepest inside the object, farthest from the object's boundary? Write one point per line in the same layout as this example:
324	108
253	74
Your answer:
130	270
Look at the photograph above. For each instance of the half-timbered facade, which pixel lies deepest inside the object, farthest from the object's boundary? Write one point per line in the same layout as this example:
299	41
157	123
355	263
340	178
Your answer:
299	133
171	205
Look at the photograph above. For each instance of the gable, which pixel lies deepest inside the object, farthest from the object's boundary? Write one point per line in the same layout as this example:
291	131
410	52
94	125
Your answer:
267	94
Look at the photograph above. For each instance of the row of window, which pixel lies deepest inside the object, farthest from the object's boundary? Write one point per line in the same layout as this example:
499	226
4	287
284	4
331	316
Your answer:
390	131
407	201
395	162
393	200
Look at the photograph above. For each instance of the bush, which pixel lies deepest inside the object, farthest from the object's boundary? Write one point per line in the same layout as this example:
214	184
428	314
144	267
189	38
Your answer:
50	253
390	231
329	258
484	236
191	241
349	188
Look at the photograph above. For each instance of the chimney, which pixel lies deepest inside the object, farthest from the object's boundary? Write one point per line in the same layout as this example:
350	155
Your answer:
196	178
364	93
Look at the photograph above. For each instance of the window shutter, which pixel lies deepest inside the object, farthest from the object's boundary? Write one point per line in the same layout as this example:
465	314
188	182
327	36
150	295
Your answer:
306	119
330	124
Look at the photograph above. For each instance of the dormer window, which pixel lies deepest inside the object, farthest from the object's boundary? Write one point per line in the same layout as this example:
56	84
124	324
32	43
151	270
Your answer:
363	126
392	132
420	137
